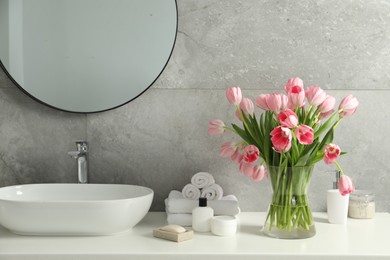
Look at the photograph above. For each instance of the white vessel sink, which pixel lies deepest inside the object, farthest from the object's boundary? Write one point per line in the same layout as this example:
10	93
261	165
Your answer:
73	209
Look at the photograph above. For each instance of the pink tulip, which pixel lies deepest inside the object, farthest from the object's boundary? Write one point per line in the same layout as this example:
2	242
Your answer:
228	149
246	168
348	106
274	102
295	93
284	104
291	83
261	101
281	139
237	156
315	95
259	172
246	106
251	153
326	114
296	99
277	102
304	134
288	118
327	105
239	153
345	185
331	153
238	115
216	127
234	95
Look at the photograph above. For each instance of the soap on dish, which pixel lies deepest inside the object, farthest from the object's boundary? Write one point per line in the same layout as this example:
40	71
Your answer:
174	229
174	233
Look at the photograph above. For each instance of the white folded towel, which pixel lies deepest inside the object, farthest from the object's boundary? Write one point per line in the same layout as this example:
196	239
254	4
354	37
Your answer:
176	203
179	219
202	179
191	192
212	192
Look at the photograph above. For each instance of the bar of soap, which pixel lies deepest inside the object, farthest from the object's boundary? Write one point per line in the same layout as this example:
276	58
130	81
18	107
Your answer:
174	233
176	229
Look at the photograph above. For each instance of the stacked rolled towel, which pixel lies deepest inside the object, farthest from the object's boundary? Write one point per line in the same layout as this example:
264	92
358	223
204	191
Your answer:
212	192
191	192
202	185
202	180
179	209
179	205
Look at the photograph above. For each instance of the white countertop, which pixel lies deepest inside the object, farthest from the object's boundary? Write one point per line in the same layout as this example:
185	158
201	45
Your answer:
359	239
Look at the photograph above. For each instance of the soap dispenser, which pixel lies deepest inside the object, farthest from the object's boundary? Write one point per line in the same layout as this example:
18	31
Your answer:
337	204
201	216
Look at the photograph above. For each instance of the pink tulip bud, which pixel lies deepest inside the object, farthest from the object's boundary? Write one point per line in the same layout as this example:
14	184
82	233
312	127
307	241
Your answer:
304	134
238	115
261	101
315	95
281	139
293	82
348	106
239	153
246	168
284	102
251	154
295	93
216	127
331	153
246	106
326	114
228	149
296	99
275	102
345	185
327	105
288	118
234	95
259	172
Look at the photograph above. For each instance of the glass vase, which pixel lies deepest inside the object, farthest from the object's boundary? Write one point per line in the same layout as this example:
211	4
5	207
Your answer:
289	214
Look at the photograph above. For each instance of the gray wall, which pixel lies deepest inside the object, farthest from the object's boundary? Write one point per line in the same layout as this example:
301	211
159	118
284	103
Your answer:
160	140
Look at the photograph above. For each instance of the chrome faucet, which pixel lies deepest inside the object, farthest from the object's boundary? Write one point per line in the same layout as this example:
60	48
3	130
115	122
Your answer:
82	160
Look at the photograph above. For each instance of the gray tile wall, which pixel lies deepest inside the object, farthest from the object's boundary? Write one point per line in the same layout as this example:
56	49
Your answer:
160	140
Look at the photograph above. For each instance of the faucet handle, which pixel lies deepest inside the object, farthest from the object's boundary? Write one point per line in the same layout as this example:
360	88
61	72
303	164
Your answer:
74	154
82	146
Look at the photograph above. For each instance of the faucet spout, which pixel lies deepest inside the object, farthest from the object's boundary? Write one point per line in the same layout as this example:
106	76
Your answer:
82	160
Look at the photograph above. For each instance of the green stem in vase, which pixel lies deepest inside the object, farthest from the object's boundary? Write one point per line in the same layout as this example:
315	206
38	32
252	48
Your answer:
289	208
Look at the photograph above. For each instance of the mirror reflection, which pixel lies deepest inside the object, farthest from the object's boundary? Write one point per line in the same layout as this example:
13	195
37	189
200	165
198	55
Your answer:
86	55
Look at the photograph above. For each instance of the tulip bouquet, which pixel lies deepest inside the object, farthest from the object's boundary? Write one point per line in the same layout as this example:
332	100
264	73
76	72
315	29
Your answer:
295	131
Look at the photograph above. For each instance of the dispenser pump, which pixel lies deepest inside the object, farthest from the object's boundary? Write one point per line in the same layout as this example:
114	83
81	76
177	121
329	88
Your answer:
336	183
202	202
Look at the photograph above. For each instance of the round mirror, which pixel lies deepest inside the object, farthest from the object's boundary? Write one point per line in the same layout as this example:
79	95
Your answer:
86	55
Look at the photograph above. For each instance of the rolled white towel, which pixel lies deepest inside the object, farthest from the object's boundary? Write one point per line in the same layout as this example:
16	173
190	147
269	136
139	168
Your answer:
176	203
212	192
202	180
191	192
179	219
